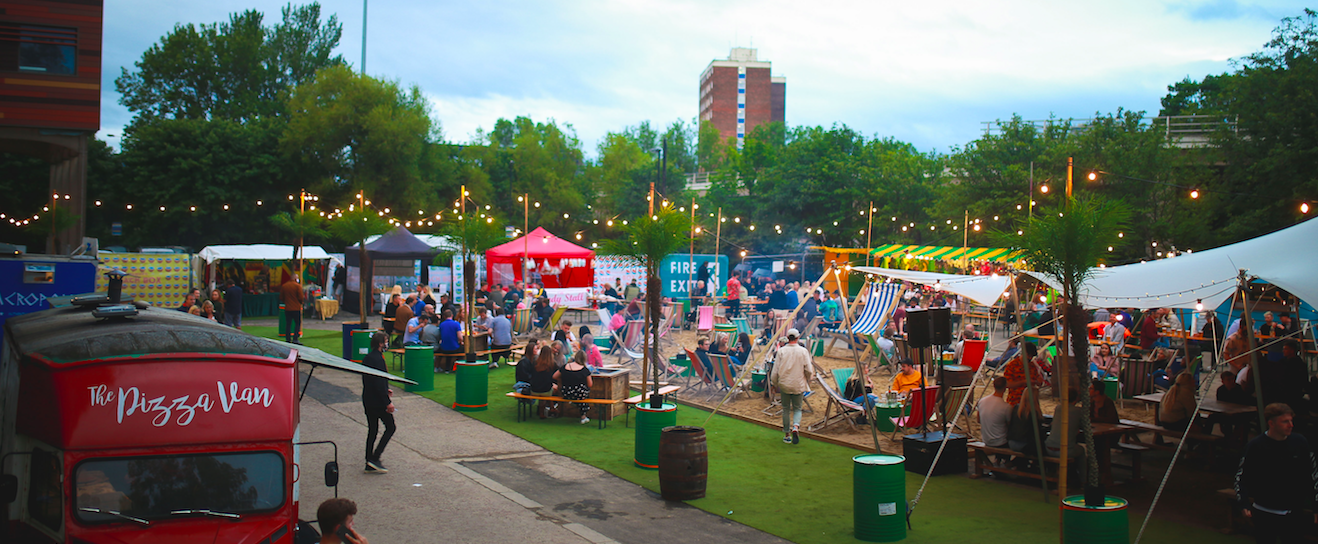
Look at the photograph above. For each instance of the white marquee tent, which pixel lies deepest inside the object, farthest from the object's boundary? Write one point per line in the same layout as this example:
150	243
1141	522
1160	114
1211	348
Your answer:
1286	259
985	290
259	252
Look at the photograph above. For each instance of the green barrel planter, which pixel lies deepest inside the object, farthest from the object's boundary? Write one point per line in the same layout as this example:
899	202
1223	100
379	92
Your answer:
1106	524
650	423
361	344
419	366
879	497
473	387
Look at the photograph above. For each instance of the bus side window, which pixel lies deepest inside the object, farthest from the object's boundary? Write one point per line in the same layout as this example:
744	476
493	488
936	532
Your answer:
45	502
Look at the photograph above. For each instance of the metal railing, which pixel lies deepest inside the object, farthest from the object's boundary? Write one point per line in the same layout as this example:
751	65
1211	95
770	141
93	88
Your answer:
1182	130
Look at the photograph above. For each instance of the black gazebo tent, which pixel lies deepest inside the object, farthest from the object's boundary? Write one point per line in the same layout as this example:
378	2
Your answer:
398	245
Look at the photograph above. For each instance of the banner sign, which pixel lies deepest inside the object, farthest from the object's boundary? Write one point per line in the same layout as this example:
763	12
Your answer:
677	269
571	297
610	268
161	279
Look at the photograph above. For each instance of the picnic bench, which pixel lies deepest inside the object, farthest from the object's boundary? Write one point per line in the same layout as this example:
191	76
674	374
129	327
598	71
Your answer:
525	408
1211	440
982	452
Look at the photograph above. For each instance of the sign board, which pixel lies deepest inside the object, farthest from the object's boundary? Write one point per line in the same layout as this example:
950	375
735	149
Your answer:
610	268
458	272
160	279
676	269
18	297
571	297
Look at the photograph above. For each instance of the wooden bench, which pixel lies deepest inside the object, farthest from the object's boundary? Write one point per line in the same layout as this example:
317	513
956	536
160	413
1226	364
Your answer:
632	401
396	357
525	409
982	451
1211	440
510	351
1135	451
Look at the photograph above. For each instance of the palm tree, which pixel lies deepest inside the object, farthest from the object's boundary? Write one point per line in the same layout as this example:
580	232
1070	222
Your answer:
357	225
477	233
1067	244
650	239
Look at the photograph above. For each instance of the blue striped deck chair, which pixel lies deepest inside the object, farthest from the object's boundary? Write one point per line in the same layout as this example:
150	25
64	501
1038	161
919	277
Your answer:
883	299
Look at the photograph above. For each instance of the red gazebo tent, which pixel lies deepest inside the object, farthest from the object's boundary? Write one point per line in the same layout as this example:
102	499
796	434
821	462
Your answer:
560	263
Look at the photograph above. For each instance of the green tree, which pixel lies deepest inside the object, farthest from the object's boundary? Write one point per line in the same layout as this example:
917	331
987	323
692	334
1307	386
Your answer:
356	133
543	160
302	225
476	232
238	69
649	239
1066	243
355	225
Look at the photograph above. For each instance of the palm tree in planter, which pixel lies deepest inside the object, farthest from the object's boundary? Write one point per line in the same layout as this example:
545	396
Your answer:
1067	244
303	224
650	239
476	233
357	225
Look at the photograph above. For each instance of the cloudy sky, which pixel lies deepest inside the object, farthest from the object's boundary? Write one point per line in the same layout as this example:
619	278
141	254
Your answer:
929	74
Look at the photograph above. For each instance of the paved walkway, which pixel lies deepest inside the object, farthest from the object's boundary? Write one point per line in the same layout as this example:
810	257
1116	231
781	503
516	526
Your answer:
454	479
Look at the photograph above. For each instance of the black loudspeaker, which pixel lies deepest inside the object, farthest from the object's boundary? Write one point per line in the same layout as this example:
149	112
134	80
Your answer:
917	328
921	448
940	323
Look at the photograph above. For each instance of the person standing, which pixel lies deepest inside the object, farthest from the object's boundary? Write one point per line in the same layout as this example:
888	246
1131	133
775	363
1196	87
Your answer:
1276	479
734	295
501	337
291	295
233	305
377	403
791	375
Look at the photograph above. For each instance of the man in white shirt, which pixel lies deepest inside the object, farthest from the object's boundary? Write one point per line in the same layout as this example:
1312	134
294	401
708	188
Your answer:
1115	334
994	415
791	375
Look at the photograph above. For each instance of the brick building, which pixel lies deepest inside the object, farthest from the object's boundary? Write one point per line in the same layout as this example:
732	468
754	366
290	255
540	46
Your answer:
740	93
50	93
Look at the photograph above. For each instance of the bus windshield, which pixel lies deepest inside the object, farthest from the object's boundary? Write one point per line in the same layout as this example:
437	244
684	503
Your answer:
145	488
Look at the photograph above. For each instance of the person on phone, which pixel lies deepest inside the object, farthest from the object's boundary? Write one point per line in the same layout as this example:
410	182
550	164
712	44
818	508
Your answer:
335	518
377	404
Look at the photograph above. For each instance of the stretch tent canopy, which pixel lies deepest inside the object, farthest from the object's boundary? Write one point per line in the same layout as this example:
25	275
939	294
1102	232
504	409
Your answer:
1285	258
260	252
985	290
947	253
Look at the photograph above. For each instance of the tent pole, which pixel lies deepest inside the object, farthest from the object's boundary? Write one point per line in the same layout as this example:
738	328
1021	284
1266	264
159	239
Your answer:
526	236
691	254
870	412
1247	327
869	235
1029	391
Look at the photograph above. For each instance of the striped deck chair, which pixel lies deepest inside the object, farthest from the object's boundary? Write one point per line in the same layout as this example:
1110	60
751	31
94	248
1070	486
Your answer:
882	300
723	368
522	320
838	408
743	326
705	320
705	380
553	321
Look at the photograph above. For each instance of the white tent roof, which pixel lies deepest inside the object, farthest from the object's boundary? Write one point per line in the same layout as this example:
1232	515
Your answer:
259	252
437	241
985	290
1284	258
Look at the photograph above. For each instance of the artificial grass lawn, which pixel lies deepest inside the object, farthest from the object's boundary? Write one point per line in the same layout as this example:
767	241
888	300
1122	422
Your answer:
802	493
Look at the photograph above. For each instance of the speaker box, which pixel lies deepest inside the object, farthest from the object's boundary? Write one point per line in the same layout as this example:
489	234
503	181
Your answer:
921	448
917	328
940	326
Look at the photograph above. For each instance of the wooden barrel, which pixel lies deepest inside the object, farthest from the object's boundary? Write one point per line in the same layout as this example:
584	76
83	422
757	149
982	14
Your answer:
683	463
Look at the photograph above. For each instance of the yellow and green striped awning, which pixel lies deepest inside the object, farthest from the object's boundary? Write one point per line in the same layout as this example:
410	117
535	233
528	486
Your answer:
946	253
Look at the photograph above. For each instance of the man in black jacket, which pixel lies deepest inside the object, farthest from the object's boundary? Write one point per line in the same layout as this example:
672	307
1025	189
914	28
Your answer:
376	403
1277	478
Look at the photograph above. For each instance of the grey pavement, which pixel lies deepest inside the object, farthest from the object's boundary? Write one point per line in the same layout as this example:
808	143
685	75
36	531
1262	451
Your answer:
455	479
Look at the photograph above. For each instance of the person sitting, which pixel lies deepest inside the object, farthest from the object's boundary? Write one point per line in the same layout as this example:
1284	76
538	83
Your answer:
909	378
1269	327
501	336
741	353
720	347
1178	404
594	359
401	317
1103	410
574	383
542	382
995	415
1013	347
450	342
1229	391
1053	444
564	335
1022	429
430	333
543	312
702	353
860	391
1104	363
1115	333
412	331
1014	371
208	310
525	366
483	320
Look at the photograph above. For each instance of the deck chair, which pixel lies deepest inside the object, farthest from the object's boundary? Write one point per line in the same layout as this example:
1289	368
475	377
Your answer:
743	326
723	368
552	323
921	403
882	300
883	359
840	377
838	408
955	395
522	321
705	380
811	328
705	320
628	345
972	353
666	326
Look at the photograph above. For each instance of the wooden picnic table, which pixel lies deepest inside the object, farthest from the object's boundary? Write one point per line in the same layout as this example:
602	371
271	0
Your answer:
1209	405
1106	437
